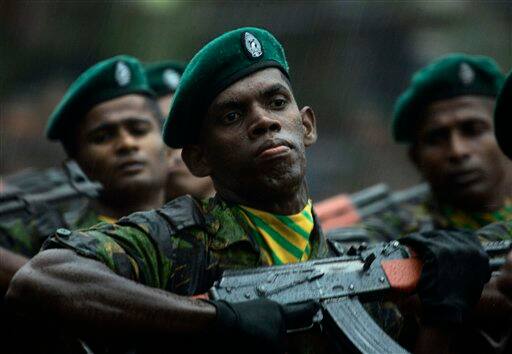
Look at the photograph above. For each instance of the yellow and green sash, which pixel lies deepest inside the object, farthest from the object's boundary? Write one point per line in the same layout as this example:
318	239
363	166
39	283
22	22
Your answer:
107	219
476	220
282	238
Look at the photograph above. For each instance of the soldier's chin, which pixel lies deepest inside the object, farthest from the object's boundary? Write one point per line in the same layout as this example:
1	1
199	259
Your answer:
471	197
282	183
133	182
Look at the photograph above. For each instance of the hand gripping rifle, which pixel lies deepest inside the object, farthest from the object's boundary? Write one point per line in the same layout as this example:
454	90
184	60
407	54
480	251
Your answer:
341	284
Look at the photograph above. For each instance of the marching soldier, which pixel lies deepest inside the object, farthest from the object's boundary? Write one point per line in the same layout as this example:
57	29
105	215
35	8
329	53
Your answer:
236	118
446	118
109	122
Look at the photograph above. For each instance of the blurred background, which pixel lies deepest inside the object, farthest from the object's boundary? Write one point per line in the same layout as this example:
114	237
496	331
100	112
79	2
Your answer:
349	61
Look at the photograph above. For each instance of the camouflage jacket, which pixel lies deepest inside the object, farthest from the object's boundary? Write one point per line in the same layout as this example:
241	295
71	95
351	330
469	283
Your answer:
25	236
182	247
426	215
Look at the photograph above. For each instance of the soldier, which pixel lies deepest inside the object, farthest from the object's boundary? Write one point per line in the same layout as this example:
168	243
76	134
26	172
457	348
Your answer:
445	116
236	118
164	78
109	122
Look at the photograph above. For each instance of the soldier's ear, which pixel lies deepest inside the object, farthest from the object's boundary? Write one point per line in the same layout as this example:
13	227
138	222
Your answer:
309	124
194	158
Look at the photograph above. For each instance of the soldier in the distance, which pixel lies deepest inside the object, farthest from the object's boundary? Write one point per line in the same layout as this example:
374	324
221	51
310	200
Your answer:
446	118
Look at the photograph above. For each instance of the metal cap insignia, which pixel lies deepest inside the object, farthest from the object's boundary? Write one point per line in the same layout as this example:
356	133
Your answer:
171	78
466	74
252	45
123	74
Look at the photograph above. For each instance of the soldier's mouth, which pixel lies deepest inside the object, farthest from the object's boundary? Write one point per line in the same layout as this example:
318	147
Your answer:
466	177
273	149
131	166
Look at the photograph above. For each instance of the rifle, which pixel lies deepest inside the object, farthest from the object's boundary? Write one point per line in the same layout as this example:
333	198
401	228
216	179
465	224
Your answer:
341	284
72	184
345	210
32	181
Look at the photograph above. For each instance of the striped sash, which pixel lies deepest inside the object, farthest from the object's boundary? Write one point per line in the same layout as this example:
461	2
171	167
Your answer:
282	238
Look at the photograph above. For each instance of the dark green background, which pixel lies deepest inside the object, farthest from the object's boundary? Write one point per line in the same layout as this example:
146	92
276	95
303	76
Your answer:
349	60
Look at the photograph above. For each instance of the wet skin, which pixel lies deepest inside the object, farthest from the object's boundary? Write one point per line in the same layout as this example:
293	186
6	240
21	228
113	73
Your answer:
456	152
119	144
252	143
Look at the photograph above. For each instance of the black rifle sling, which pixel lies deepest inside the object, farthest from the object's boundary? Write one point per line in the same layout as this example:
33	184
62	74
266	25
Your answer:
169	225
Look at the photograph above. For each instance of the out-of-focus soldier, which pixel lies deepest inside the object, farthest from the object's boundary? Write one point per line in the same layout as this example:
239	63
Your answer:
164	78
446	118
109	122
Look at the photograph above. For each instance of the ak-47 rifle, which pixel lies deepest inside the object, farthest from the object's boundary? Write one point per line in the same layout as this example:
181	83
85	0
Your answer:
345	210
341	284
72	184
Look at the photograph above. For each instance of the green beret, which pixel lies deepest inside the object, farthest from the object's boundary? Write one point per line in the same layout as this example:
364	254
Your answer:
447	77
164	76
502	117
225	60
108	79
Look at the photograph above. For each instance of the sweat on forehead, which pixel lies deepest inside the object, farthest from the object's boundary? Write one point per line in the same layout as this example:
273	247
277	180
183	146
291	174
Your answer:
222	62
263	83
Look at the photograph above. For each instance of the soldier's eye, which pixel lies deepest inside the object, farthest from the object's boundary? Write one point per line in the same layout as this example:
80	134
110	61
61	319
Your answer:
278	103
230	118
436	137
140	129
100	137
474	128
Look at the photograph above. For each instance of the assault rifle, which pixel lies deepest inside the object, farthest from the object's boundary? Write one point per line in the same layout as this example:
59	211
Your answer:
70	184
341	284
344	210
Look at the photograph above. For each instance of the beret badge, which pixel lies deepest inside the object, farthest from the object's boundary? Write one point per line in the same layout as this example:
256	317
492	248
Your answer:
252	45
466	74
171	78
123	74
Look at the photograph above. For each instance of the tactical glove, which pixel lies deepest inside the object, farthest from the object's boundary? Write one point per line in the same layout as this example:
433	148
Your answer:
259	325
455	269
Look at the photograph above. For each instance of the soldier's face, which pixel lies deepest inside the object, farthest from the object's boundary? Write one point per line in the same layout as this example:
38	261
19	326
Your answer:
119	144
253	138
457	153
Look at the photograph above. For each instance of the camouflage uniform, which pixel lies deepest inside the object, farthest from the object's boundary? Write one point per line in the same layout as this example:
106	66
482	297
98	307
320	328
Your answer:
425	216
25	236
184	247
